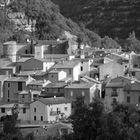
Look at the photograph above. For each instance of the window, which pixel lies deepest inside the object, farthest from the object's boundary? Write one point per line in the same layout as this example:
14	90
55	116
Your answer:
2	110
20	86
83	93
133	73
64	131
34	118
71	93
81	68
114	89
114	101
34	109
35	95
58	111
8	100
66	108
41	118
26	51
139	99
8	94
24	110
136	66
128	99
19	68
8	84
47	89
58	89
23	96
69	71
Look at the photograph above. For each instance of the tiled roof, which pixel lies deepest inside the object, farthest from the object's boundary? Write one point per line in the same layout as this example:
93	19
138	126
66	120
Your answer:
10	105
80	86
81	60
17	79
51	101
55	56
121	81
36	72
91	79
55	85
5	63
124	79
54	71
135	87
10	42
3	77
115	84
134	69
114	56
67	79
38	82
66	64
24	59
50	42
42	59
111	63
36	92
24	92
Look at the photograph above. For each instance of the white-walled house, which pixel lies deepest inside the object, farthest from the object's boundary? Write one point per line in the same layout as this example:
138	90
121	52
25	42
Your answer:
55	76
50	109
72	68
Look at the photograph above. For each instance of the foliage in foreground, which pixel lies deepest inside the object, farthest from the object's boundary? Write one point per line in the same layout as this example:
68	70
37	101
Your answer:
93	123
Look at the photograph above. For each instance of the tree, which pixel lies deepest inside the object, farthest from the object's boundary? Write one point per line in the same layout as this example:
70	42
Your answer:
10	131
92	122
132	43
6	27
87	121
50	23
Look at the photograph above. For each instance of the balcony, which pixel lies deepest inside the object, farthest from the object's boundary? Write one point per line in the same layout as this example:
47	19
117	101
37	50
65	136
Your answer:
114	94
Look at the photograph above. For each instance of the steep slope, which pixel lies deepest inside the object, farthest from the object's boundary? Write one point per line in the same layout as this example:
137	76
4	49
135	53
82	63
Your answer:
50	23
115	18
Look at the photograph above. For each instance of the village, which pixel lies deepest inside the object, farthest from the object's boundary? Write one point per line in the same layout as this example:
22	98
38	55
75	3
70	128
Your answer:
49	64
44	85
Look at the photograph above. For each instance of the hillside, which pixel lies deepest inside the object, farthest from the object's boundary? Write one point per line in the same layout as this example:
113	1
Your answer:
50	24
115	18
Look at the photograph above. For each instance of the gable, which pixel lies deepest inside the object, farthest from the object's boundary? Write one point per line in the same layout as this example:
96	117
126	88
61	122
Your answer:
33	60
37	103
121	79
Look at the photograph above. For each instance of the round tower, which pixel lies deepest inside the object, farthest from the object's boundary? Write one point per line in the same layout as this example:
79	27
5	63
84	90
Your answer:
10	50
